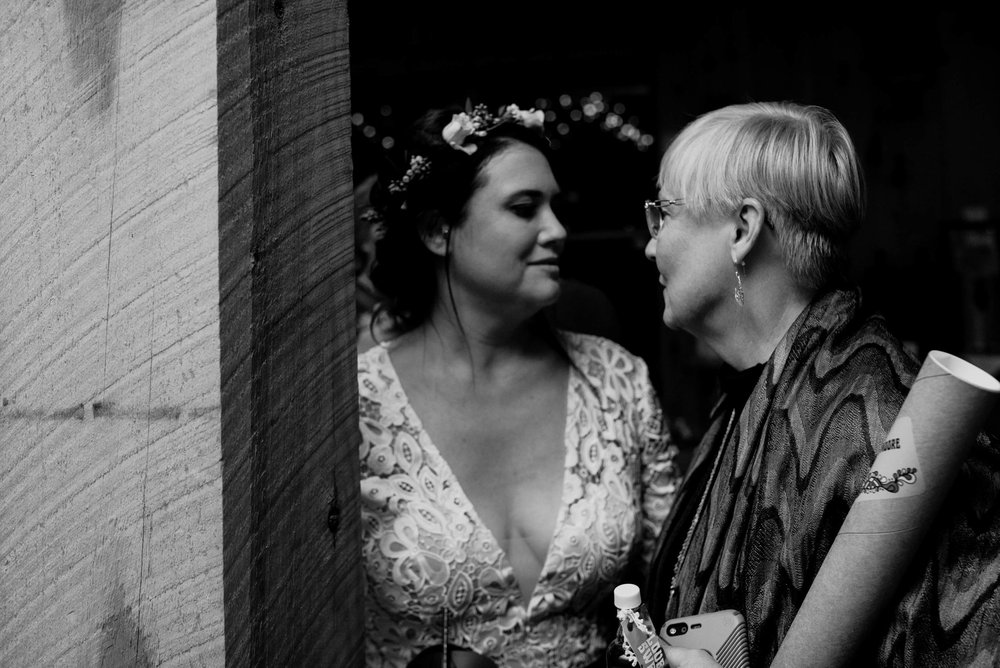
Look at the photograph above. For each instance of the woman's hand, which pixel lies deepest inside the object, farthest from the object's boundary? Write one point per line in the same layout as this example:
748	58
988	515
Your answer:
681	657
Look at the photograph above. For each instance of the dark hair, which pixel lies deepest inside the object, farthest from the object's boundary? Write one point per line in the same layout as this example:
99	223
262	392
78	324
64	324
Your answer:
404	269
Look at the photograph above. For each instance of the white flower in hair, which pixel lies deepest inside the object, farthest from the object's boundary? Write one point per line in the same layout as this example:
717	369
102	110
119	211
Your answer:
532	118
478	122
419	166
456	132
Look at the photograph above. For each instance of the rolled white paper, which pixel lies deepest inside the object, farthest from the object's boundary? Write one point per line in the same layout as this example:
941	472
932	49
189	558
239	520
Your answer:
944	411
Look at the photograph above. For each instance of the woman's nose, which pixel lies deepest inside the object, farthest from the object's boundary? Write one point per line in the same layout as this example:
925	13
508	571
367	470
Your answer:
650	250
553	231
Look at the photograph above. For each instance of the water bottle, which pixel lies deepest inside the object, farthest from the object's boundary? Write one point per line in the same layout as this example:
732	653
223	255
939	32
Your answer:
636	643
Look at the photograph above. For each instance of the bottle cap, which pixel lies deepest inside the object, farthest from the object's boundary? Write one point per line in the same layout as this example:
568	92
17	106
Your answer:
627	596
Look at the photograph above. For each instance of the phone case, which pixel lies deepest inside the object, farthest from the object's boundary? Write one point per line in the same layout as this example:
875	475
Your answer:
722	634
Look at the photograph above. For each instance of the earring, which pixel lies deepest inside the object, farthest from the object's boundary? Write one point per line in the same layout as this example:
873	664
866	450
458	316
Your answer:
445	231
738	292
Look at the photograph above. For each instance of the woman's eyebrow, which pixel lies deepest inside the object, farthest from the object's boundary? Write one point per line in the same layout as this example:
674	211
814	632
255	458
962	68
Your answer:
533	193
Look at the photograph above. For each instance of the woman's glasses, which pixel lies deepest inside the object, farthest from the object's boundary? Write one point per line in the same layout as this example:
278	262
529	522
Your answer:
656	209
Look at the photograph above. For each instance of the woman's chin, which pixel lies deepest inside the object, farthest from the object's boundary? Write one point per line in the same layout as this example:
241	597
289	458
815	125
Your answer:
549	291
550	298
670	318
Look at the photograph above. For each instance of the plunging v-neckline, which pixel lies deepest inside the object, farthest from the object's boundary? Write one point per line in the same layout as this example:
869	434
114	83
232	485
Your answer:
447	473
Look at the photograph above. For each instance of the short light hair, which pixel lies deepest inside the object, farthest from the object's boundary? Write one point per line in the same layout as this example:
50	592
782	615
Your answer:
798	161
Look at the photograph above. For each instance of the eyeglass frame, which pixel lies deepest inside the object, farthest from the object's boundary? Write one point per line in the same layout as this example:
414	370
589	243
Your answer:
654	225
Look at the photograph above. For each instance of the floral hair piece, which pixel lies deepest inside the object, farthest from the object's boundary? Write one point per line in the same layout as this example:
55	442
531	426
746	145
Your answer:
479	121
419	166
474	122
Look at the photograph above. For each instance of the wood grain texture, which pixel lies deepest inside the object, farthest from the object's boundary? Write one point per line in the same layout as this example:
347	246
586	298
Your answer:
289	368
110	420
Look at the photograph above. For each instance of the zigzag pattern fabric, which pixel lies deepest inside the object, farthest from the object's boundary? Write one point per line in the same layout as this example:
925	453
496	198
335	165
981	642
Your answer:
799	455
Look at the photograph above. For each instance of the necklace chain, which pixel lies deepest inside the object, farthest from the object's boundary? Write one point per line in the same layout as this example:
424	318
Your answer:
701	505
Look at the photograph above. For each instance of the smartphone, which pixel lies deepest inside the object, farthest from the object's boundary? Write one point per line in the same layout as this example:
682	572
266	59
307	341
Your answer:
722	634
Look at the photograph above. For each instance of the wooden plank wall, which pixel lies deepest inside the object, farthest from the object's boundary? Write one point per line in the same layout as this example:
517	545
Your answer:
177	366
110	477
289	367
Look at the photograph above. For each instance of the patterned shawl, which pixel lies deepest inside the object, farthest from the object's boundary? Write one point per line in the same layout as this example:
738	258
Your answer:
797	455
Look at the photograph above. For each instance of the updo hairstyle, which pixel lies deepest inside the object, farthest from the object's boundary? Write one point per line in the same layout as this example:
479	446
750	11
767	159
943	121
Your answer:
404	270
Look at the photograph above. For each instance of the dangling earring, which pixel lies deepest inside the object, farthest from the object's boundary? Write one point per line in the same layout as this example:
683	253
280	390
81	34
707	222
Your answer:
738	292
445	231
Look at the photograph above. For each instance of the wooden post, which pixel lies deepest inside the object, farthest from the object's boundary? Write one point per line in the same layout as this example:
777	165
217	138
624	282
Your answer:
177	381
289	368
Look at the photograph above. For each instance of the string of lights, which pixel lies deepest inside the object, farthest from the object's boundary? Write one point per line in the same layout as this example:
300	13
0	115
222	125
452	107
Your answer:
564	114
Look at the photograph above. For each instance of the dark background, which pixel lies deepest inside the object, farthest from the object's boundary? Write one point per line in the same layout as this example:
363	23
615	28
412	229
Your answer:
918	91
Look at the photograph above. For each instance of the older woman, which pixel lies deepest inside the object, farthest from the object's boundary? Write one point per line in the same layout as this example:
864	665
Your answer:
757	204
510	471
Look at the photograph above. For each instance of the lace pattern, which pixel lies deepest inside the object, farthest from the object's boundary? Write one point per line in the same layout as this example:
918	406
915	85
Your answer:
425	548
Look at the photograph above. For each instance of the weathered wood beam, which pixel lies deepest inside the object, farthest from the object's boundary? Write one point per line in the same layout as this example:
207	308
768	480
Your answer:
289	388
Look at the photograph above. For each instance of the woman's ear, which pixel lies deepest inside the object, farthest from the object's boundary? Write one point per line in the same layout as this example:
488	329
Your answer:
749	224
436	239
